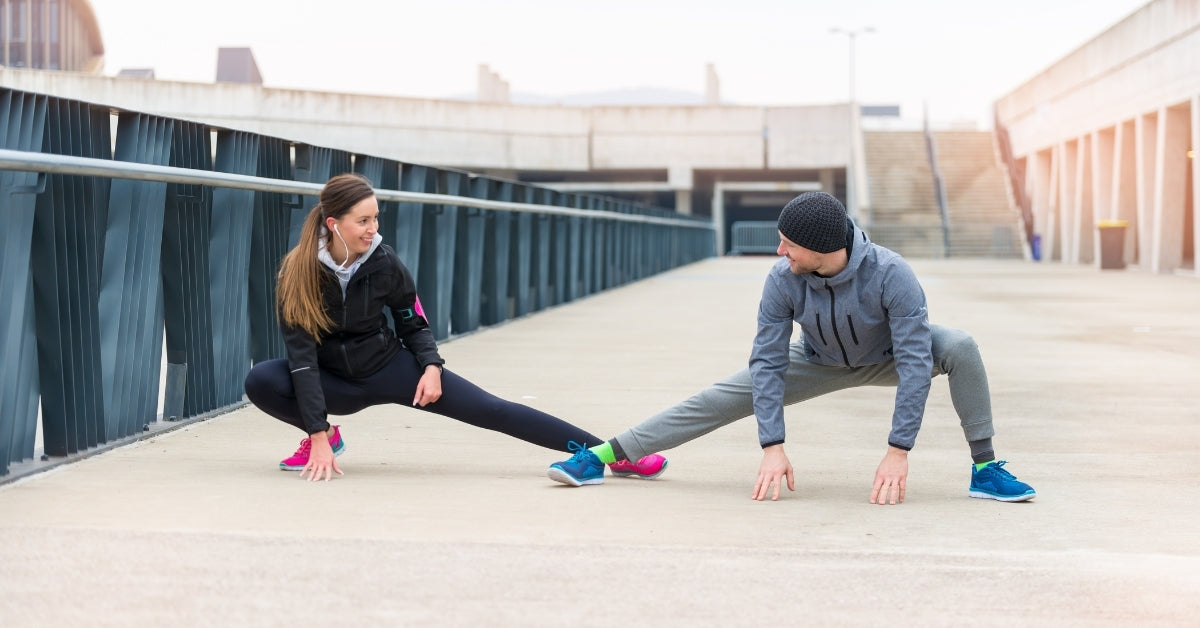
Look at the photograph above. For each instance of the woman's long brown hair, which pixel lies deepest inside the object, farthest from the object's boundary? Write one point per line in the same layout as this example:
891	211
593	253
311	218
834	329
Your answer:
298	297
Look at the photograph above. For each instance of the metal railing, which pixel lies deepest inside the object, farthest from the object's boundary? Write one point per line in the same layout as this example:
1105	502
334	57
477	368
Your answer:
939	187
169	232
754	237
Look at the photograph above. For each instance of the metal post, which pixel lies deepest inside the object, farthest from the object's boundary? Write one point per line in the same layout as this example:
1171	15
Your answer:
851	175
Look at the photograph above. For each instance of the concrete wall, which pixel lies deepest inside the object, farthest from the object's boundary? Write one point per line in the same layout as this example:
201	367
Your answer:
484	135
1104	134
621	148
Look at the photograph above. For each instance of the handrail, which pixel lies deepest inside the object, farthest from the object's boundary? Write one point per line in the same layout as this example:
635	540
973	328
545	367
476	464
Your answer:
939	187
1016	177
26	161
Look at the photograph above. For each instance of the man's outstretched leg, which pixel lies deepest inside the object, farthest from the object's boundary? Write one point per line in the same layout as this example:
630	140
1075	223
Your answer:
729	400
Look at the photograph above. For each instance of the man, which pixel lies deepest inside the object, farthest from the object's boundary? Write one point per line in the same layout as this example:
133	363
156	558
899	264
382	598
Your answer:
864	322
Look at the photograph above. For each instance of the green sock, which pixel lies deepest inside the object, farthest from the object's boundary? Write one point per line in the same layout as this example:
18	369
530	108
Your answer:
604	453
980	465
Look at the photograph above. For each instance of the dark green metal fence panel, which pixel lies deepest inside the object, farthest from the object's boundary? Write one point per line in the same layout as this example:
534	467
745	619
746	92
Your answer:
574	250
269	243
521	253
495	256
314	164
237	297
610	256
66	257
587	250
199	324
131	328
468	262
598	247
625	244
22	125
540	252
411	216
439	233
383	174
559	266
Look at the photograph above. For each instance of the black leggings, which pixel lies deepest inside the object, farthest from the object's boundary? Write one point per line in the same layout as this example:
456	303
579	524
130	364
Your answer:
269	386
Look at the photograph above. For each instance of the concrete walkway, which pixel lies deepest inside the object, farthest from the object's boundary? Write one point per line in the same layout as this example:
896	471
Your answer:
1095	378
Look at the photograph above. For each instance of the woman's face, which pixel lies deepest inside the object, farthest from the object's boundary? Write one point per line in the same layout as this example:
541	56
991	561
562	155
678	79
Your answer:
356	227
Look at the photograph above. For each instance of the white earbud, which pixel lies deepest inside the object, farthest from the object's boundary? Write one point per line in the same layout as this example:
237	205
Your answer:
336	230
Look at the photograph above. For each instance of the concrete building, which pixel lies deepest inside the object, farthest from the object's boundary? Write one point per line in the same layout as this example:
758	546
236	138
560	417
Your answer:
1109	133
50	35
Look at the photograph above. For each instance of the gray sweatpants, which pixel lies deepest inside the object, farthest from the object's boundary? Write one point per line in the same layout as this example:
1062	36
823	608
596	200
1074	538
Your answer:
955	355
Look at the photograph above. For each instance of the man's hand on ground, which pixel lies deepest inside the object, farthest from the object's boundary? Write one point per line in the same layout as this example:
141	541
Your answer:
775	466
890	478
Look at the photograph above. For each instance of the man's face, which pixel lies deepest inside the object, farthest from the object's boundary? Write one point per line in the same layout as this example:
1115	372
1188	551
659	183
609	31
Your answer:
800	259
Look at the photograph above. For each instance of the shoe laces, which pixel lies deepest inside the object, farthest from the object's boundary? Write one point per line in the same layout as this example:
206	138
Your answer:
581	452
305	447
997	467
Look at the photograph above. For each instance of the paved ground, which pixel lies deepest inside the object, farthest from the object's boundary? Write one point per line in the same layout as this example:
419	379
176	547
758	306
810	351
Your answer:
1094	377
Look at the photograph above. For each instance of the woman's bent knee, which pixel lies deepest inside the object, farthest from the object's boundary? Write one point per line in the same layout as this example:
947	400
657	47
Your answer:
264	380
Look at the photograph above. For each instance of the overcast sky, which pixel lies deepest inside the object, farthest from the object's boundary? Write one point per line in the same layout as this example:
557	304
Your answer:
957	56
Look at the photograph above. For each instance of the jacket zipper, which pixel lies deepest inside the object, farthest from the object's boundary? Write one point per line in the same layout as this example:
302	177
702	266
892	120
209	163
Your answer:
342	342
853	334
366	309
346	359
833	317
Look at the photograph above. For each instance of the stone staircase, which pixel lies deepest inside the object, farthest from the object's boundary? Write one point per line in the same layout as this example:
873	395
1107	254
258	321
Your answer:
904	208
904	201
983	222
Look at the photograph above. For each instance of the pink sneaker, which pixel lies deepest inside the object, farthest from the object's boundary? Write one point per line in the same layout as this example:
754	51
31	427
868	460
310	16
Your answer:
648	468
300	458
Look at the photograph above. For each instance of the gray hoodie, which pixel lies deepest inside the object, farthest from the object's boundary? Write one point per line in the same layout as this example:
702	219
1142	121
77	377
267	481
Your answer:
871	312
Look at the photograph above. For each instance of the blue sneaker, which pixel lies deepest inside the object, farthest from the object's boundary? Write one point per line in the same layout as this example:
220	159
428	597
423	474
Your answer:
993	482
582	468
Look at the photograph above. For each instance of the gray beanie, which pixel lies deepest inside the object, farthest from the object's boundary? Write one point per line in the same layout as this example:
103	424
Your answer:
815	221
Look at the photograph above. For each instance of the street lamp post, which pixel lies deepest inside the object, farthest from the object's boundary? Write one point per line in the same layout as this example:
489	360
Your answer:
852	106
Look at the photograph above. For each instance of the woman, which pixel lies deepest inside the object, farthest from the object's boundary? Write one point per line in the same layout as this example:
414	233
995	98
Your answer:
343	356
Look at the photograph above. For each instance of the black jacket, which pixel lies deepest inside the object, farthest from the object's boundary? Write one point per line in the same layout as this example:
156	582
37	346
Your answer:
361	342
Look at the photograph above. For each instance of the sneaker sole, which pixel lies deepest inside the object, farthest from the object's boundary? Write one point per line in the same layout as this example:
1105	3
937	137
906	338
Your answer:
634	474
337	452
1003	498
558	475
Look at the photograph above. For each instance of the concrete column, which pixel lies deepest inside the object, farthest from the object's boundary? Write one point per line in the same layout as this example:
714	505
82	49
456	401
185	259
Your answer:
1066	201
1146	130
1041	171
1050	248
1067	210
1085	208
683	202
718	217
1124	185
1033	191
1170	184
1073	220
1101	170
826	178
680	178
1195	165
